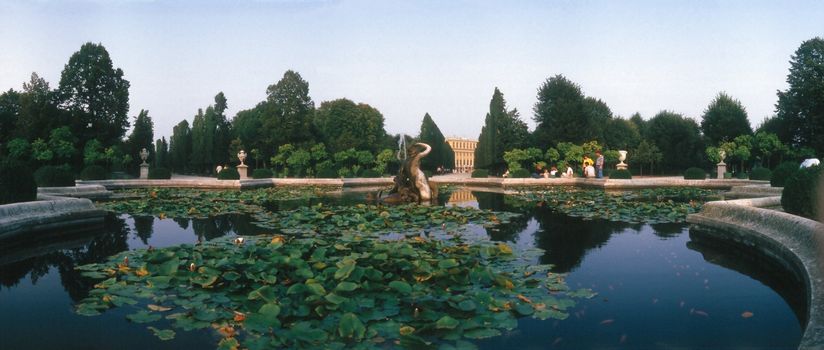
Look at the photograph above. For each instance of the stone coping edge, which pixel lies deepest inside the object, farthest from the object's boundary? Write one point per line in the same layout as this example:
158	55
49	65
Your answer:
781	235
47	212
78	191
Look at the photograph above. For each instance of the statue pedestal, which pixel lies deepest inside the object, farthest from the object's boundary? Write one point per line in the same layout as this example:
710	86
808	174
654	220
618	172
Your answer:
722	168
621	166
243	170
144	171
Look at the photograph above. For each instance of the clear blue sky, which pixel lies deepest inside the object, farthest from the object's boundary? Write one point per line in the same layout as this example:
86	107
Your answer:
410	57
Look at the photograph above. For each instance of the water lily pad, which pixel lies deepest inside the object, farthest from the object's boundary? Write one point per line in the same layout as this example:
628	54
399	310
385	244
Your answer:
162	334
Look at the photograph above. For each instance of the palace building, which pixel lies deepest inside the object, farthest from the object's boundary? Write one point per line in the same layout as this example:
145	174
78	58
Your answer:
464	153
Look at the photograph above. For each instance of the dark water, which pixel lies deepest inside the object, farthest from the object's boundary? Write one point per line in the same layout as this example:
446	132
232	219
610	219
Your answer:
660	286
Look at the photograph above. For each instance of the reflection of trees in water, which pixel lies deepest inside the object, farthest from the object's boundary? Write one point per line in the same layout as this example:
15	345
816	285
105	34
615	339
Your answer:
143	226
182	223
219	226
499	202
567	240
667	230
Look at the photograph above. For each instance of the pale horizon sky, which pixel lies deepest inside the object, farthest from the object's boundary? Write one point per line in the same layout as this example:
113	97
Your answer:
407	58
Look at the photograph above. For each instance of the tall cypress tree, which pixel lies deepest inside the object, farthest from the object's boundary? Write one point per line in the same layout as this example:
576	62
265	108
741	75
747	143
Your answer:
161	159
141	136
180	147
503	130
198	158
442	154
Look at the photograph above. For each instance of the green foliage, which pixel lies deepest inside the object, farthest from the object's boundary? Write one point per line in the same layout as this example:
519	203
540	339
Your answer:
442	154
333	292
287	112
651	206
370	173
503	130
564	114
481	173
800	194
724	119
742	175
93	153
800	109
40	151
94	172
621	134
160	174
327	173
343	124
142	136
61	144
620	174
383	159
783	172
228	173
522	159
161	159
180	147
262	173
18	149
695	174
54	176
16	182
520	173
760	174
678	139
96	94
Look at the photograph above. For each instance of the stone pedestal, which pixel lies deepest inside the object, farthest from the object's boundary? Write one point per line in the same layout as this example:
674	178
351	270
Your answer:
144	171
243	170
722	168
621	166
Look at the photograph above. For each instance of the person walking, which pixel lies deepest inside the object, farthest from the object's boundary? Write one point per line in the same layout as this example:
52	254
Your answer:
599	164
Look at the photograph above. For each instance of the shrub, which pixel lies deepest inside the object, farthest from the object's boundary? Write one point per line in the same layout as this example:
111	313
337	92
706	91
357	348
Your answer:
622	174
741	175
327	173
695	174
783	172
16	182
94	172
480	173
760	174
160	173
54	176
228	174
800	194
728	175
520	173
370	173
262	174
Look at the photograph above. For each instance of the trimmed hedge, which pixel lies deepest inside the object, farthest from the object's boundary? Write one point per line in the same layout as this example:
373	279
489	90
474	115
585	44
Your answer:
94	172
262	173
54	176
620	174
741	175
327	173
760	174
520	173
800	194
160	174
228	174
16	182
370	173
695	174
480	173
783	172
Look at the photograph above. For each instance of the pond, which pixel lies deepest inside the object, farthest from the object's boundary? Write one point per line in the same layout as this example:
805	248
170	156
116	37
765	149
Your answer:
658	286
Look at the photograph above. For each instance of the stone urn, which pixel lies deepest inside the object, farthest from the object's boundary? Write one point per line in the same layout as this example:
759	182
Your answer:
242	156
144	167
242	169
722	167
622	157
144	154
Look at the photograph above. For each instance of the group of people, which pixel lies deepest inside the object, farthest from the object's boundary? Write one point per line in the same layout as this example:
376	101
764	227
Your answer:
591	169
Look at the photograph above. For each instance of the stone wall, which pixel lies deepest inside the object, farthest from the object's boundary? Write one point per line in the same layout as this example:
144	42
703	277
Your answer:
47	212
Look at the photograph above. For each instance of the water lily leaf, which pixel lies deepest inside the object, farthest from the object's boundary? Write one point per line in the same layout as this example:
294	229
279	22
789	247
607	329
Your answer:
350	326
401	286
162	334
345	269
481	333
231	276
407	330
346	286
448	263
265	293
467	305
446	322
86	310
143	316
228	344
158	308
335	299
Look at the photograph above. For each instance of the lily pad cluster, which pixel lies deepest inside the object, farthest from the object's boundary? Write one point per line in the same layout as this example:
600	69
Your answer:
194	203
648	206
365	218
264	292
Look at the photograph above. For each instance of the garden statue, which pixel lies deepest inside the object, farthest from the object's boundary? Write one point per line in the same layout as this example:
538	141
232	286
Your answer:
242	169
622	157
144	167
144	154
411	184
242	156
722	167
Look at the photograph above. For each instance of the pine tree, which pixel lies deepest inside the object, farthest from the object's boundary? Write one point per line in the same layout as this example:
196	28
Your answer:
442	154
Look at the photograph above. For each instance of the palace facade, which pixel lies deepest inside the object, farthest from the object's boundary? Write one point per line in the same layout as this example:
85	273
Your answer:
464	153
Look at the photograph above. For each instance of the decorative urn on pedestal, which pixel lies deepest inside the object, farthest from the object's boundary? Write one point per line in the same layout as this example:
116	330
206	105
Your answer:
722	167
242	169
622	157
144	167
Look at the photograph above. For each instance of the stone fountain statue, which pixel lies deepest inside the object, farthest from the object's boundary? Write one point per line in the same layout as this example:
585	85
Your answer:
411	184
722	167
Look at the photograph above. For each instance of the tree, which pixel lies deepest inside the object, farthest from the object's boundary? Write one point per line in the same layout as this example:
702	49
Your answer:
200	159
766	145
442	154
288	111
800	109
180	147
9	114
678	139
724	119
61	143
564	114
647	153
342	124
222	130
38	110
95	94
503	130
161	159
247	126
142	135
621	134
